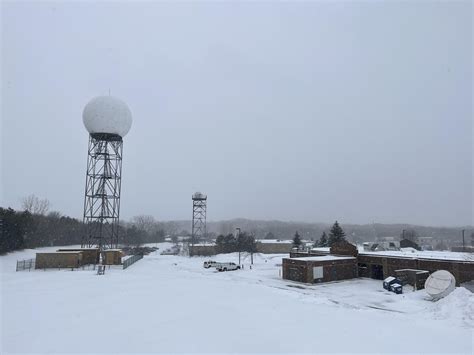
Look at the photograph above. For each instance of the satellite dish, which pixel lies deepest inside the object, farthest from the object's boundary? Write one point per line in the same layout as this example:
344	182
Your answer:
440	284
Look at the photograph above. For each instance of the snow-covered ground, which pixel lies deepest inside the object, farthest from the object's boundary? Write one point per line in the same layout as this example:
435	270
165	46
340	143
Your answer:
172	304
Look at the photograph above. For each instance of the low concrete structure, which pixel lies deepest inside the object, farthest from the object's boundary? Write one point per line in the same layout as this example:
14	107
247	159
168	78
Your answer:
344	248
316	269
263	246
413	277
64	259
112	257
89	255
202	250
274	246
380	265
463	249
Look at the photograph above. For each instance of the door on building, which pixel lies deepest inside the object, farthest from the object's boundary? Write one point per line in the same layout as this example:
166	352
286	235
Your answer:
377	272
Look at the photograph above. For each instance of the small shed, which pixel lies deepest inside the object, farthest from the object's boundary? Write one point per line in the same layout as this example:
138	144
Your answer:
89	255
317	269
413	277
63	259
112	257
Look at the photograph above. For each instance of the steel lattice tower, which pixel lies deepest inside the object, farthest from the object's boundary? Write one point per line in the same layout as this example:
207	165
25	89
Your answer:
199	218
102	197
107	119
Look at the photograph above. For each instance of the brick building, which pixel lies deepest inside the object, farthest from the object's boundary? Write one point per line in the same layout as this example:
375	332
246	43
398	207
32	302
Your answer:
379	265
315	269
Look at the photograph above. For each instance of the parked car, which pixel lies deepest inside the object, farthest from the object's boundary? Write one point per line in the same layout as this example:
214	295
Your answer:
227	266
210	263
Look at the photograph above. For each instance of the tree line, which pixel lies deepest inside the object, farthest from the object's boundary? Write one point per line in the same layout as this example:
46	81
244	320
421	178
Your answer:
336	234
35	227
229	243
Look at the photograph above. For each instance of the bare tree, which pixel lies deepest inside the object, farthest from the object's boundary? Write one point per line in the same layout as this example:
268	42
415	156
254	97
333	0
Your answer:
145	223
34	205
55	214
170	227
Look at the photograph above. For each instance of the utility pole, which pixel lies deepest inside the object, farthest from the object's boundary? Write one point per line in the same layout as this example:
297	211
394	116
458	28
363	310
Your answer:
251	253
463	244
238	235
403	234
2	241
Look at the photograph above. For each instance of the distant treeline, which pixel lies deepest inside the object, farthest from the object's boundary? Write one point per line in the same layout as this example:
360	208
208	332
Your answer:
36	227
355	233
23	229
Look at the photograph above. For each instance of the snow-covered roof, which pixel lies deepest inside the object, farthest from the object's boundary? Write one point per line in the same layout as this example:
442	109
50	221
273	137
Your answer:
421	254
414	270
324	249
78	249
60	252
271	241
390	278
323	258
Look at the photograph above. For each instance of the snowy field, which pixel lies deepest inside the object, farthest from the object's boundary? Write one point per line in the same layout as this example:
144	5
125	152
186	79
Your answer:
172	304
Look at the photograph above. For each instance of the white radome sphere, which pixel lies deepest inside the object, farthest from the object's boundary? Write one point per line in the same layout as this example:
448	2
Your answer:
107	114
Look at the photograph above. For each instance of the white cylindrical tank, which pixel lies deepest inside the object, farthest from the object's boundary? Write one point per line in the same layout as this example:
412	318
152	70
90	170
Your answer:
440	284
107	114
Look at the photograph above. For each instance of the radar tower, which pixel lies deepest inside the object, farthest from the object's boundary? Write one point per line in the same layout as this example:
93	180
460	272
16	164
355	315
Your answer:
199	219
108	120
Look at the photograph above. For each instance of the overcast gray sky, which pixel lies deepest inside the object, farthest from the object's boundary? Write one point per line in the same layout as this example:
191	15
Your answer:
309	111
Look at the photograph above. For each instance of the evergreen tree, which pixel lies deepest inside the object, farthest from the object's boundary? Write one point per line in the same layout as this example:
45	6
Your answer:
323	241
297	240
336	234
246	242
270	236
226	244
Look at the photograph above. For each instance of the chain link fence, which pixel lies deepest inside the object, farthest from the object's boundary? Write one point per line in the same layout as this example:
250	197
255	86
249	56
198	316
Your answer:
27	264
131	260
